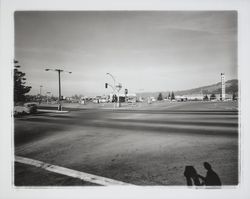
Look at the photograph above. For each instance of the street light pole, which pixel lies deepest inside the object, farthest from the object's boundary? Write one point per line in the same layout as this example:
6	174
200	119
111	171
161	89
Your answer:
112	77
116	89
59	79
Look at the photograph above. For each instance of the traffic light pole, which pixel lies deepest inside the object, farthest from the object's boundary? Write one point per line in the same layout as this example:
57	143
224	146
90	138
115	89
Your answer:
116	89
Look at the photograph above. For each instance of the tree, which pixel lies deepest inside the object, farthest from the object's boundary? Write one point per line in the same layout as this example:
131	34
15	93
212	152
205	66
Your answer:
205	98
169	96
19	84
235	96
76	97
172	96
159	98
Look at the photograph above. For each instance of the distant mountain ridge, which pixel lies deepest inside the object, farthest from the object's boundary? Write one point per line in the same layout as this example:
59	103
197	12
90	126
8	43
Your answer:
231	87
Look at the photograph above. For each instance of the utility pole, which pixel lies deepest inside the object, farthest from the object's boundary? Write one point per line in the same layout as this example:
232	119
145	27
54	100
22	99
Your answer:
41	90
47	95
40	97
59	80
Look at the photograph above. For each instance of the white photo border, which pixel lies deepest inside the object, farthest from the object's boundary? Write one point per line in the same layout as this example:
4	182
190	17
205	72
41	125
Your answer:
7	189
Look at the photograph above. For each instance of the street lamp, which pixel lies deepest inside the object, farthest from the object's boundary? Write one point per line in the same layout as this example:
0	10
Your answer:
116	88
112	78
59	78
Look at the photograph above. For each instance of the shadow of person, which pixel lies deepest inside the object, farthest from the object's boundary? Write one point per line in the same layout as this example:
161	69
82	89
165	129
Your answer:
212	178
191	176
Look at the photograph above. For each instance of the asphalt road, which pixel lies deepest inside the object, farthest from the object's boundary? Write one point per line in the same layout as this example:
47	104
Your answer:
143	146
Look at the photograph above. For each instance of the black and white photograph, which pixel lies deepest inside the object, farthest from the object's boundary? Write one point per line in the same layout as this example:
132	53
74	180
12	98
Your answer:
126	98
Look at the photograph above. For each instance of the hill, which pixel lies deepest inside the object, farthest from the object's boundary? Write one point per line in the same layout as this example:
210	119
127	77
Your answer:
231	87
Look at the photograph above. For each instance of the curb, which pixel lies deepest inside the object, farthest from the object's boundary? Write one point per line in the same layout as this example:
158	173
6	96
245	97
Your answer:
70	172
51	111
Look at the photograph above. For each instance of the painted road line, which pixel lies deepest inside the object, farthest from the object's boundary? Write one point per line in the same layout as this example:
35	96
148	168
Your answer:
70	172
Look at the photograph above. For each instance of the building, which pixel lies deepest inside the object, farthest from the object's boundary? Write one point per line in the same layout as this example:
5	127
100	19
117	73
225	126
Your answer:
191	97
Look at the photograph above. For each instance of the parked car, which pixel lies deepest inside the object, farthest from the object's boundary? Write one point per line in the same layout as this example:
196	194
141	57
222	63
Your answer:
27	108
31	107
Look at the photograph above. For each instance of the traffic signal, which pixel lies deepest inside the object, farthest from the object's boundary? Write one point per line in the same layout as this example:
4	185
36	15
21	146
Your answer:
126	91
106	85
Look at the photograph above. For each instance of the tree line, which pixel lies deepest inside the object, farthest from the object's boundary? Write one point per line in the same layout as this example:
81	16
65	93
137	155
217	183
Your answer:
170	96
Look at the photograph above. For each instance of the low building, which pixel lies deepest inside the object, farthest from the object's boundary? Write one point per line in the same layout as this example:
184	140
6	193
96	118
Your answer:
219	98
191	97
181	98
131	97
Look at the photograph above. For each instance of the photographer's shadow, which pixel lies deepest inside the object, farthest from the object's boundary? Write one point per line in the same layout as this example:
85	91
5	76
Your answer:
193	178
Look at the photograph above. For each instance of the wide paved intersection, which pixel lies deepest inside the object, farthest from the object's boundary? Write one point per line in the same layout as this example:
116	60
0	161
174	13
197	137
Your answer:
143	146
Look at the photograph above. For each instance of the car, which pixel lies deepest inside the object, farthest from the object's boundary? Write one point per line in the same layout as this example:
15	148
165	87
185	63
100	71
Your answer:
103	100
20	110
27	108
31	107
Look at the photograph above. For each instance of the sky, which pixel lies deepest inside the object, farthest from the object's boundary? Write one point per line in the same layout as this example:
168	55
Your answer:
146	51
